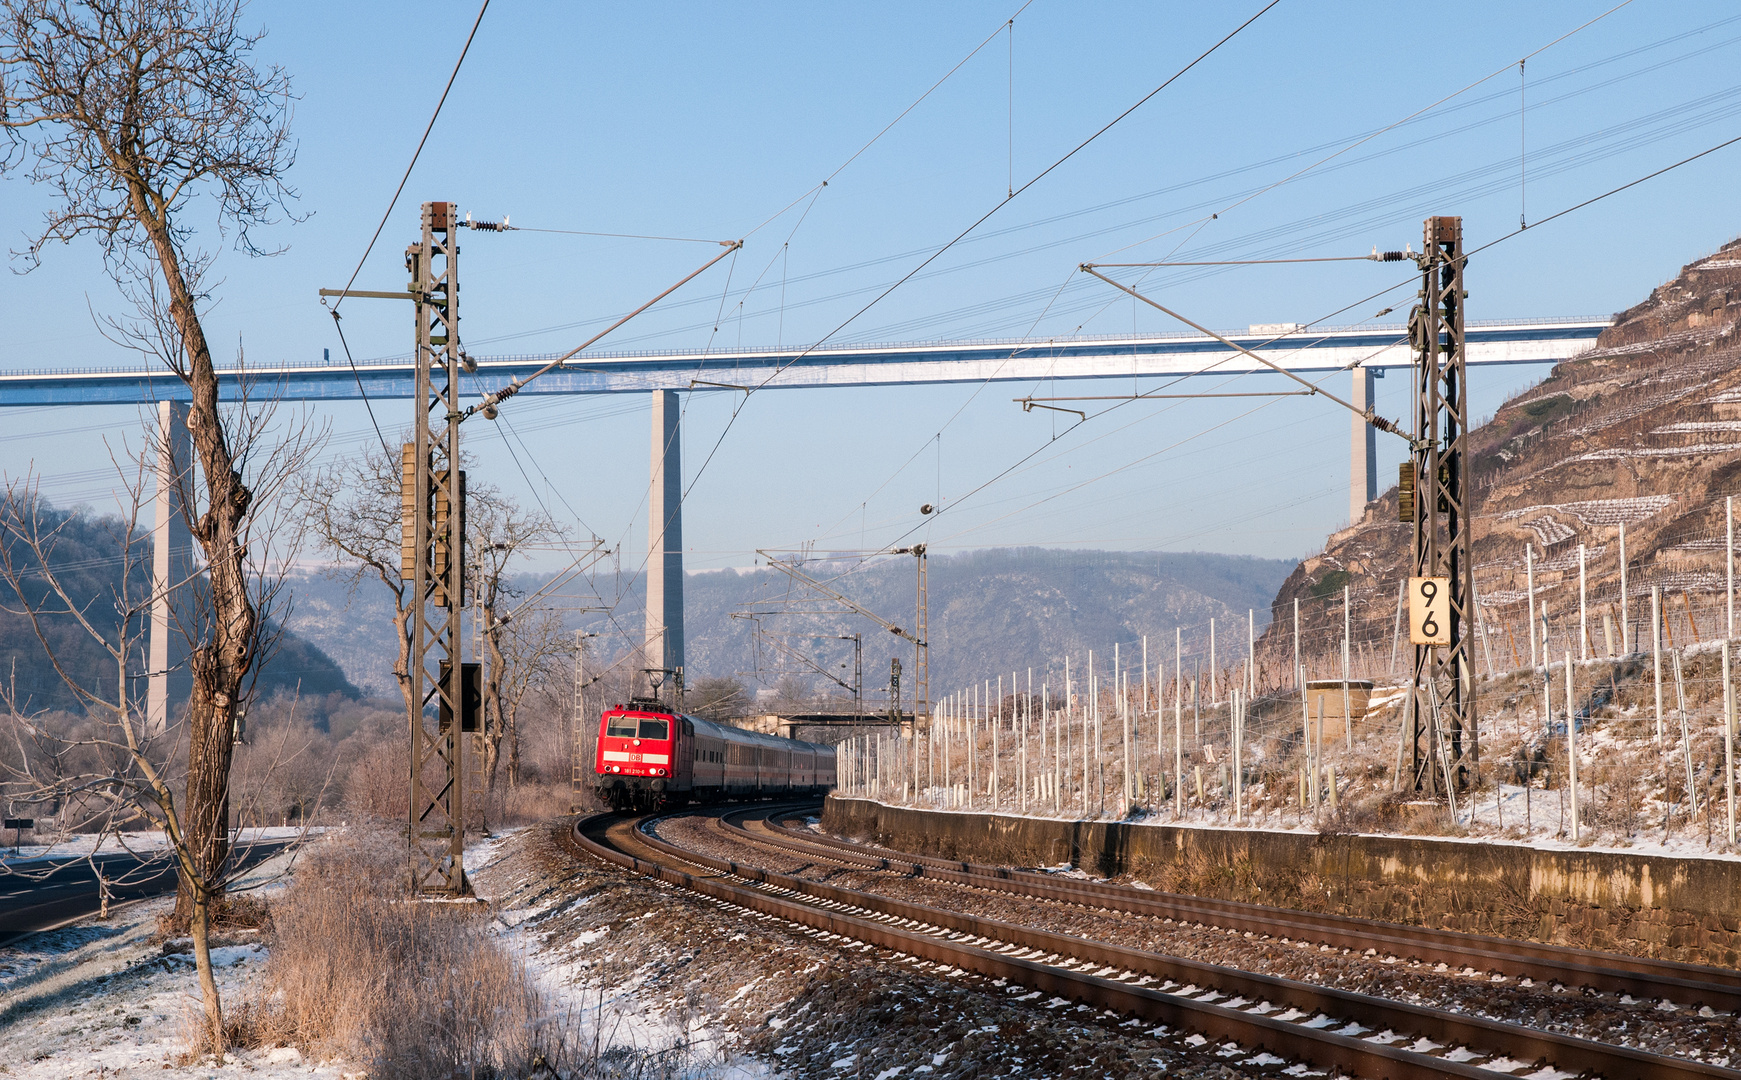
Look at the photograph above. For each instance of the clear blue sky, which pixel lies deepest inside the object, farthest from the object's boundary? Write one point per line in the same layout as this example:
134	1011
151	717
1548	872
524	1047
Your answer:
706	120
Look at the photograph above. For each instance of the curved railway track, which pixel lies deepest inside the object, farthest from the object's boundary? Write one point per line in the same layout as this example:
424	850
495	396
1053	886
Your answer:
1356	1033
1686	984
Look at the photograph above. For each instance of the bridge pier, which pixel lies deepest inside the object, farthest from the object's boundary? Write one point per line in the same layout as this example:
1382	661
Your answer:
171	548
664	635
1363	453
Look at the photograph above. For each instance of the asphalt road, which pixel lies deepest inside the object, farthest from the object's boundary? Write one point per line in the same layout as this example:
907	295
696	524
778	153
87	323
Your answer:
29	904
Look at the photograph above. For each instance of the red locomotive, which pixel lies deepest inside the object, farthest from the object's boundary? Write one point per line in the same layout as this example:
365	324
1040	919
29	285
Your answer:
649	757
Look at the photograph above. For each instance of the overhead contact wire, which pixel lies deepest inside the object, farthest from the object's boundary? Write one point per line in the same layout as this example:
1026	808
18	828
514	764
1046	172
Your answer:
1390	127
391	203
1511	235
813	194
980	221
400	190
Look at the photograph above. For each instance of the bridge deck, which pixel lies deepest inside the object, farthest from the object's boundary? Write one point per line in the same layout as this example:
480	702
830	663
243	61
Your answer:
1330	349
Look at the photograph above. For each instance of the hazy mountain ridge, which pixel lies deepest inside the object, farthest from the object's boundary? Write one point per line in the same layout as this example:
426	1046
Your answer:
992	611
354	626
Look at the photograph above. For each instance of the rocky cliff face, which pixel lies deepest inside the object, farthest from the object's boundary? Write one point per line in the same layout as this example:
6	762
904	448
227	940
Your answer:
1643	432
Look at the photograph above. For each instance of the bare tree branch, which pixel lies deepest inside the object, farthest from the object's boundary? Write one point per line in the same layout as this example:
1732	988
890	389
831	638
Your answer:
129	111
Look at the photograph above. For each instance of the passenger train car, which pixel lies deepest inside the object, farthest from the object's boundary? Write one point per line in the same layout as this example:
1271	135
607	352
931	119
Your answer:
649	757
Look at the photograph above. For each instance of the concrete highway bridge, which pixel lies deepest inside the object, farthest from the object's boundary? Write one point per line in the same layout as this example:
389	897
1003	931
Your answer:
1053	369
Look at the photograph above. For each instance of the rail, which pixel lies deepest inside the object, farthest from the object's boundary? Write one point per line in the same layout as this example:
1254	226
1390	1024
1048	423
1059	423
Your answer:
1107	976
1686	984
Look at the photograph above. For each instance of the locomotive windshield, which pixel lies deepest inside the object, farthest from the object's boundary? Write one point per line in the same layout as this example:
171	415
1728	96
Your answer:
621	727
654	729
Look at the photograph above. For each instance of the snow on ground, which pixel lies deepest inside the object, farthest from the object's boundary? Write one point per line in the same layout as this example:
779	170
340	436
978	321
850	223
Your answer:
81	845
98	999
1697	427
1608	511
627	1011
1616	453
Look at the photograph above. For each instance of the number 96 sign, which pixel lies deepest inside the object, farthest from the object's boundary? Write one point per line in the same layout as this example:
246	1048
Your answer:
1430	611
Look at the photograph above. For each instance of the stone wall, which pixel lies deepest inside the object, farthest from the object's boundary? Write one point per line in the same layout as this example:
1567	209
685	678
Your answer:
1648	905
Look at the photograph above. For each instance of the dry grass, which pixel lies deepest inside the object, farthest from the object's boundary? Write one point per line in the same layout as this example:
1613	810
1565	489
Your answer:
414	990
525	803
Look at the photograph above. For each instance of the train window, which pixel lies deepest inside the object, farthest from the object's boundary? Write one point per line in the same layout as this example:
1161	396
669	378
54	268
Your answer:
655	729
621	727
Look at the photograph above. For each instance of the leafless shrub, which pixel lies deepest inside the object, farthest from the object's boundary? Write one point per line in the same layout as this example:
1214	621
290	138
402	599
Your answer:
361	970
375	786
358	968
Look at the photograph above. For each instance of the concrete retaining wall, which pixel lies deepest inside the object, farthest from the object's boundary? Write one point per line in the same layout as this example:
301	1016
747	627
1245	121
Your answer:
1682	909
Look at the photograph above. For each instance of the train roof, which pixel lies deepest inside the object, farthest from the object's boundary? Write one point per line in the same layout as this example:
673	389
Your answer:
737	734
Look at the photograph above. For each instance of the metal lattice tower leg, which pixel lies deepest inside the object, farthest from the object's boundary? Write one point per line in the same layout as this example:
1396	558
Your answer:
437	834
476	780
1442	704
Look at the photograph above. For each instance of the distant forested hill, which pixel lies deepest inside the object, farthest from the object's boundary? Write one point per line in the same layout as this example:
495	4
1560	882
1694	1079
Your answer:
87	560
991	611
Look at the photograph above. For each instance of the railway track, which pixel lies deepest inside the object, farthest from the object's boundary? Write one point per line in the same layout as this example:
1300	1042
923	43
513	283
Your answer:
1355	1033
1642	977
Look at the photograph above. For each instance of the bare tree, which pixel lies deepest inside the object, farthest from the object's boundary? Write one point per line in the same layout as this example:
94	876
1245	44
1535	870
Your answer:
106	772
284	768
352	507
353	512
524	642
130	111
792	694
538	656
